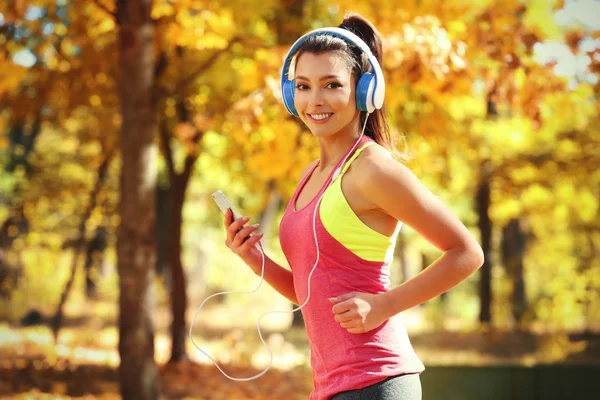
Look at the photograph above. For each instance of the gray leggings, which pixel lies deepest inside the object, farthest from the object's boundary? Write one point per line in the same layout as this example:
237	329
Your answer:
402	387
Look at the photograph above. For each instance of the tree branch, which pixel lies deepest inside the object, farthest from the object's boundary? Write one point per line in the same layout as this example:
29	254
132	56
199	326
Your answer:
204	67
56	321
160	66
185	175
104	8
166	147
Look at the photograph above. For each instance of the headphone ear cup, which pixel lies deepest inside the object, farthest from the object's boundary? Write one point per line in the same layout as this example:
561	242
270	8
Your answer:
288	90
364	92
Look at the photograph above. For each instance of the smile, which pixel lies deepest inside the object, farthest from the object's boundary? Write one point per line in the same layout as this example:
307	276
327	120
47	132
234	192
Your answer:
319	118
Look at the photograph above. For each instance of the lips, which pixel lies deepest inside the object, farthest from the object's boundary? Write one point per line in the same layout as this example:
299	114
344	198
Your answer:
319	118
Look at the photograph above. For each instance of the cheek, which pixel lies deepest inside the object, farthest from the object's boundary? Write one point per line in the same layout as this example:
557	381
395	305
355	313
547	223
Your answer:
341	100
344	100
300	99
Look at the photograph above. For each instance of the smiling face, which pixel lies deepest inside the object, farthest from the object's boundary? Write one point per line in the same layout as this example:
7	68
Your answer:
325	94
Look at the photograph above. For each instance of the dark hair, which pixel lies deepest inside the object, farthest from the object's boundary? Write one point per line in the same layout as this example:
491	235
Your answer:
377	127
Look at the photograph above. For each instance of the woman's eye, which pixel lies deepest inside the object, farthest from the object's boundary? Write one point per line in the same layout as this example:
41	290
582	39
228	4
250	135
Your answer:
301	86
334	85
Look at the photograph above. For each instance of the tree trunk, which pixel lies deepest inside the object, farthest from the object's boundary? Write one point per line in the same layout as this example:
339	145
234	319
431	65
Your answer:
178	186
297	318
94	256
267	217
513	250
485	227
138	373
484	221
11	273
163	221
400	255
178	286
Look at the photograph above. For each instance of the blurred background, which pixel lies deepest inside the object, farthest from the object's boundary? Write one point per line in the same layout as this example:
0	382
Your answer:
497	103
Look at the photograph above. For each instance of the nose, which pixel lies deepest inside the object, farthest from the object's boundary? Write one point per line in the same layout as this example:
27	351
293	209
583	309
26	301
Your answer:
316	98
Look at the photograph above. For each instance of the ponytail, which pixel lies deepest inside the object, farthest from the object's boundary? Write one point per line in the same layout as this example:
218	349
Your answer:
377	127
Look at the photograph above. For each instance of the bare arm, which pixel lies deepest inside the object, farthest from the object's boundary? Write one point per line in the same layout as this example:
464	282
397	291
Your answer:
238	242
394	189
278	277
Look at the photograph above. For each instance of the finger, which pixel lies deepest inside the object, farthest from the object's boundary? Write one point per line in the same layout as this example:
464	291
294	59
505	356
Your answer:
228	218
342	307
344	297
239	223
235	227
248	244
344	317
242	235
349	325
356	330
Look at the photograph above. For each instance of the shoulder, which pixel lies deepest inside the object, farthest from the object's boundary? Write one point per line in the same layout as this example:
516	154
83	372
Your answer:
375	166
389	185
307	169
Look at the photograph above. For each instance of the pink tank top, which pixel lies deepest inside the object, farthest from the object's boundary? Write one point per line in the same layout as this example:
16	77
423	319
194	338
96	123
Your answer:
340	360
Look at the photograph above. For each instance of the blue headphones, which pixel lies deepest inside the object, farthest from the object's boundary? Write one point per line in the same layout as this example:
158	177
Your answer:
370	89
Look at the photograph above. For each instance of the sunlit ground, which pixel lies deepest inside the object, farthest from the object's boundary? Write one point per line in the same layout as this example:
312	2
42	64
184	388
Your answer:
89	345
84	359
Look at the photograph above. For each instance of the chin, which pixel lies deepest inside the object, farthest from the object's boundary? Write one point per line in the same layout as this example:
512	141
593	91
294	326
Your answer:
323	130
321	133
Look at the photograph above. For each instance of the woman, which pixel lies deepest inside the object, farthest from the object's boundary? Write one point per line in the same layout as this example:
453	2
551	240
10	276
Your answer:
362	195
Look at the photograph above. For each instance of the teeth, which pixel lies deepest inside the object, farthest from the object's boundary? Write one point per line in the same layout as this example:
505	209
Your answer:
320	116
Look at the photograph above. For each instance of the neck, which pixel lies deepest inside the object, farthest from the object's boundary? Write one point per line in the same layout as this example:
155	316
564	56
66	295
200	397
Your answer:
333	148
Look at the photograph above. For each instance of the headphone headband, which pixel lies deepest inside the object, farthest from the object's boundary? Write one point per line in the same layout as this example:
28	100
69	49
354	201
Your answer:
378	93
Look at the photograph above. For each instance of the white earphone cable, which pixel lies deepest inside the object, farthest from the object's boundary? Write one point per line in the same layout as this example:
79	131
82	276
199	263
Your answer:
260	248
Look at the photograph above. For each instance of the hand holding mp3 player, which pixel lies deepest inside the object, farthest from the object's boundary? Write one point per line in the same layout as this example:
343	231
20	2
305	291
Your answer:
240	239
243	243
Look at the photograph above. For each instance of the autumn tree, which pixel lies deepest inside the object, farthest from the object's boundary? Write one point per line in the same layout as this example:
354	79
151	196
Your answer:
505	142
136	247
475	105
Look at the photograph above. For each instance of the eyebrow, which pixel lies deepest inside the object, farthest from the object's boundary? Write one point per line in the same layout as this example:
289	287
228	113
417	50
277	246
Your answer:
323	78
